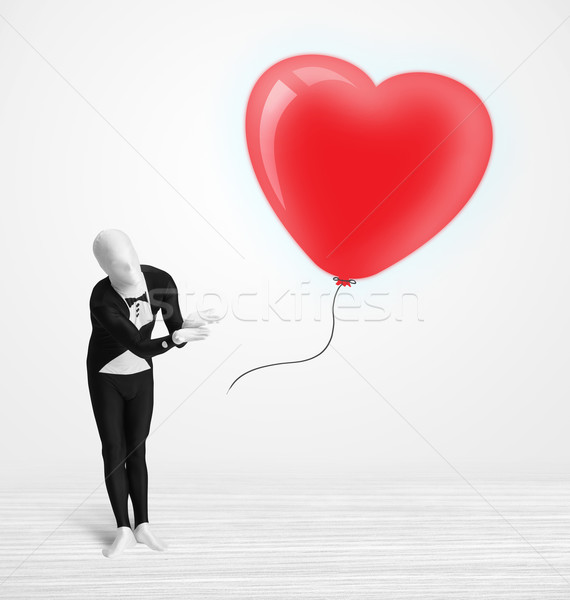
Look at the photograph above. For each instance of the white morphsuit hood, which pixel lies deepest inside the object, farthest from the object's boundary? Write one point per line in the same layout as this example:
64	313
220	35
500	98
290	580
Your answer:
116	255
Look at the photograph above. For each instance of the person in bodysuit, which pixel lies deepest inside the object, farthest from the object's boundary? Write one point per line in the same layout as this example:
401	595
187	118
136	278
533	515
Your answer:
123	309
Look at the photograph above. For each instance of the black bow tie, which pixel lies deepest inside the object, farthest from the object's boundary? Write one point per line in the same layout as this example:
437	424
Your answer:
131	301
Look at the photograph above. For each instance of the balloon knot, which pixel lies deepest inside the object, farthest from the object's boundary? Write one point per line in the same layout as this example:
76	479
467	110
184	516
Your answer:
344	282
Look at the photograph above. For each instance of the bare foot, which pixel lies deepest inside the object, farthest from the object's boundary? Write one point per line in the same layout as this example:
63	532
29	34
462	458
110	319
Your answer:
145	535
125	539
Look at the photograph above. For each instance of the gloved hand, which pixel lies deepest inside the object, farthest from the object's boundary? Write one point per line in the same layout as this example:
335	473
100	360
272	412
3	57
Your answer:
194	334
201	318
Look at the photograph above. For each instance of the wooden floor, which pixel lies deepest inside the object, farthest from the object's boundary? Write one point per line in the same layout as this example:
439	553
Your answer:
237	536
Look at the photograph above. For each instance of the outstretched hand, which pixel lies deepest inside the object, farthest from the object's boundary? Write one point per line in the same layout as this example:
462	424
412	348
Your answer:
201	318
194	334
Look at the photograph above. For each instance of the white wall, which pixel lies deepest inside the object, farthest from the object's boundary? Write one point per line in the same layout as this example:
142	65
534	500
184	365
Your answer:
483	377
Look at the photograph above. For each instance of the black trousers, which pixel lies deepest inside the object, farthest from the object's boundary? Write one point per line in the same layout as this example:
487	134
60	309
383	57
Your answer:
122	405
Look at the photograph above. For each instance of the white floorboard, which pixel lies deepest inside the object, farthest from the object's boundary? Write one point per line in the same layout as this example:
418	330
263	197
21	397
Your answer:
267	537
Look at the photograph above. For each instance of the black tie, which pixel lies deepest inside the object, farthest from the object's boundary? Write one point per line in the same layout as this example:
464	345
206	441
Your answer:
131	301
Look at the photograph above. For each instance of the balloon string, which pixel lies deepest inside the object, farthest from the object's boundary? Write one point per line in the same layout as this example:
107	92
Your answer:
292	362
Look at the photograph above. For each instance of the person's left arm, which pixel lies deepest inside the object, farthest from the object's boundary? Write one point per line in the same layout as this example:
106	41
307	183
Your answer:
170	308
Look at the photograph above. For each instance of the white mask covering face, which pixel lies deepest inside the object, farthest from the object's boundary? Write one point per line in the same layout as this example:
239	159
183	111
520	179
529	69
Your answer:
117	257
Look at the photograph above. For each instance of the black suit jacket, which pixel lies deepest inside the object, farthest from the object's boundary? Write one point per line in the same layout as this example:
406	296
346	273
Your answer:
113	332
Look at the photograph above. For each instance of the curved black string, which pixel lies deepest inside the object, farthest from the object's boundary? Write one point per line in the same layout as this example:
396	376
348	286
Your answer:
291	362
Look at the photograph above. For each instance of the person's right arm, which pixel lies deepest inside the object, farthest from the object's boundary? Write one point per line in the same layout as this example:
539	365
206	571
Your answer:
127	334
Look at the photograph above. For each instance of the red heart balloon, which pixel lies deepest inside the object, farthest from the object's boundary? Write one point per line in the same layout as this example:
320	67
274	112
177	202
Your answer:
362	175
